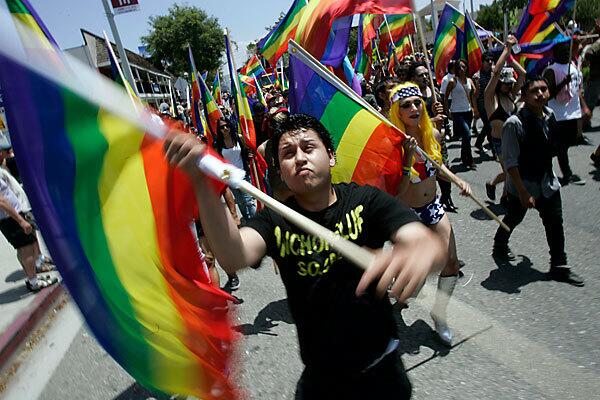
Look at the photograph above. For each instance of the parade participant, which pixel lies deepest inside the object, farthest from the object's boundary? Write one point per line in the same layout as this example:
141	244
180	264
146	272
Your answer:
462	109
417	189
228	145
481	80
564	82
367	94
382	95
420	75
500	96
591	92
528	149
346	330
595	157
18	227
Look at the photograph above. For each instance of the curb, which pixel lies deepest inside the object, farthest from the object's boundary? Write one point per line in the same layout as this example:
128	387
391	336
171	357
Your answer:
21	327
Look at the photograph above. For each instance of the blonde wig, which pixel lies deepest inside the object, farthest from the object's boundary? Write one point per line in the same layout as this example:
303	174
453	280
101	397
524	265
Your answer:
430	144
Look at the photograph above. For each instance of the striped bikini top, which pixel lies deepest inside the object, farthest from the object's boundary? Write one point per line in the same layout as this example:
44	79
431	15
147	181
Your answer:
421	170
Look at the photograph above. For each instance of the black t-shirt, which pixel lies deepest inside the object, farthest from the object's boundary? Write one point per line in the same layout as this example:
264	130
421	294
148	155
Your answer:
336	329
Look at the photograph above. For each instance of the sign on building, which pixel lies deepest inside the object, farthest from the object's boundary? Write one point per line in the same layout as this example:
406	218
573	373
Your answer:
124	6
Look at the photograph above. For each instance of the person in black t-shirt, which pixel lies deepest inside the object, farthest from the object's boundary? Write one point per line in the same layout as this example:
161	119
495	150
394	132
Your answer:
346	330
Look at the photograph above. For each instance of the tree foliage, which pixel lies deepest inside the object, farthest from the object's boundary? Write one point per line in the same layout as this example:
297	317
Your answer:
251	49
170	35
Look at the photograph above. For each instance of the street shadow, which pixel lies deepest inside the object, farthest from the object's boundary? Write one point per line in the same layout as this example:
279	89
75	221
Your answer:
480	215
137	391
14	294
15	276
509	278
417	335
458	166
592	129
595	174
267	318
480	157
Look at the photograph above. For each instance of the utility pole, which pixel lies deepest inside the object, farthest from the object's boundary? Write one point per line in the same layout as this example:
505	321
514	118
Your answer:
434	17
124	62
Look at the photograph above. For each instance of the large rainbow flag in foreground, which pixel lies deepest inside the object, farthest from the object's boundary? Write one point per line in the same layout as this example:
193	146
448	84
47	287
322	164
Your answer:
116	220
368	149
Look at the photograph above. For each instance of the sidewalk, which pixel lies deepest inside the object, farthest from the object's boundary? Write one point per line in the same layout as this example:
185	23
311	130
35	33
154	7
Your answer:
20	309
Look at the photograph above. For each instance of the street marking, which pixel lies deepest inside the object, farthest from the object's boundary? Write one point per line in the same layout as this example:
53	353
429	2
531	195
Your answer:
37	369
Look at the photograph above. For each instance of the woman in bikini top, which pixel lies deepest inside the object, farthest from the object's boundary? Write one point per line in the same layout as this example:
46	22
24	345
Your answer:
500	95
418	189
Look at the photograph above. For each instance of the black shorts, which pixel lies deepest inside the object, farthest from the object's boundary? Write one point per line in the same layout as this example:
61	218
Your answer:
13	232
385	380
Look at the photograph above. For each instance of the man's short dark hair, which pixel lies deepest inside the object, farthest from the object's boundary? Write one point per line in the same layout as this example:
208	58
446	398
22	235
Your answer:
413	70
382	87
296	122
530	80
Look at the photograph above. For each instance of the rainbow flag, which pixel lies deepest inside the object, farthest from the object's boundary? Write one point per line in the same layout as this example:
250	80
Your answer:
212	112
197	117
444	45
253	67
115	218
368	149
248	84
244	115
536	55
316	23
216	89
245	123
402	49
362	59
473	46
539	16
397	26
26	18
538	34
370	27
275	43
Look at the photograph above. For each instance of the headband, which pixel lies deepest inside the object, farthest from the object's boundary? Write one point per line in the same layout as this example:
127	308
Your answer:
405	92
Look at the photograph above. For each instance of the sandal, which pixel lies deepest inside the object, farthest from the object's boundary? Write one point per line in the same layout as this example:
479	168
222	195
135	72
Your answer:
42	283
44	264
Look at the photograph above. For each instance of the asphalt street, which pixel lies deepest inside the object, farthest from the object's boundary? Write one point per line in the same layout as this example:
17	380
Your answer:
519	335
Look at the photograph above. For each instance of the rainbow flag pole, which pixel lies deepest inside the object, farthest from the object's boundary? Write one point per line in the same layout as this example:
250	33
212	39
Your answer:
128	88
263	67
391	38
259	91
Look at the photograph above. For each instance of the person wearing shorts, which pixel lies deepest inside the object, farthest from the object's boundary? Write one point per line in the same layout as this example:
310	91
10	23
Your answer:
18	227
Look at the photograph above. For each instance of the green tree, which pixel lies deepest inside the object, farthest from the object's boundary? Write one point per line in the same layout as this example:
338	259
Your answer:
587	11
251	49
170	35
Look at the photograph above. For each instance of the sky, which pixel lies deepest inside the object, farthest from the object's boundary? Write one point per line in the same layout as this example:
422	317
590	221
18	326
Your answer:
246	20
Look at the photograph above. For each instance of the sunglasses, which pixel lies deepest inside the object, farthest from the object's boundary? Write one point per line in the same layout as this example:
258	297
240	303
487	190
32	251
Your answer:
406	105
424	74
224	126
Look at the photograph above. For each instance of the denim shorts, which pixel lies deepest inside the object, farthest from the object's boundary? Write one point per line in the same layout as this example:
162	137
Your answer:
496	145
